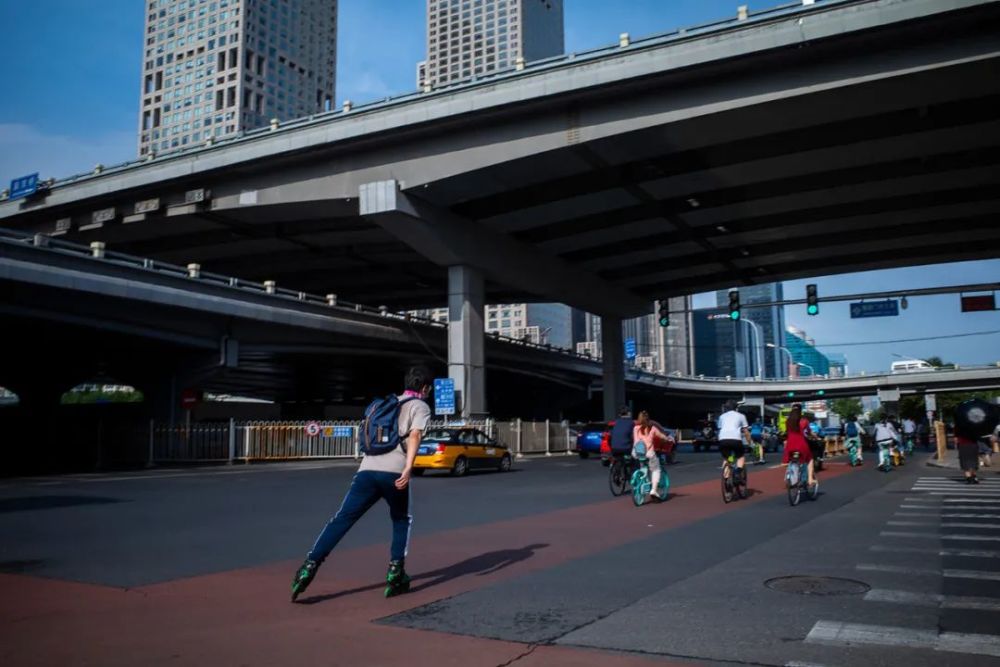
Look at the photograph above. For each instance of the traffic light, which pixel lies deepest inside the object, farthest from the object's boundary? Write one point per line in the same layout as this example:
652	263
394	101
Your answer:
664	314
812	301
821	392
734	305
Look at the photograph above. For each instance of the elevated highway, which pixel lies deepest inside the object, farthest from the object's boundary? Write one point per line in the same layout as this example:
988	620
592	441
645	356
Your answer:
806	140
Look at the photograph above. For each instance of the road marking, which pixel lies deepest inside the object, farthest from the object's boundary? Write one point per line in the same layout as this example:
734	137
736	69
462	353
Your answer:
943	551
932	600
979	501
934	514
911	523
835	633
959	515
972	538
947	524
947	573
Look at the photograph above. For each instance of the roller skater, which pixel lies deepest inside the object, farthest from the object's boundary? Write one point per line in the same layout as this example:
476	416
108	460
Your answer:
397	581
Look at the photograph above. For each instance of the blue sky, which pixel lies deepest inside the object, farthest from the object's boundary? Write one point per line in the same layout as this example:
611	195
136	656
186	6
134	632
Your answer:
71	91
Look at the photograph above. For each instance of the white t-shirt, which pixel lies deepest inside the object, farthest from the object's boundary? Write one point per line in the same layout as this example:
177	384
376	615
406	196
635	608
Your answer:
884	432
909	426
730	425
413	414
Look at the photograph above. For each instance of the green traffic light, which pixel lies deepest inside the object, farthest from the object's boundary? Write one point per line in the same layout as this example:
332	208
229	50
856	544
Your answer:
791	394
734	315
664	321
812	309
821	392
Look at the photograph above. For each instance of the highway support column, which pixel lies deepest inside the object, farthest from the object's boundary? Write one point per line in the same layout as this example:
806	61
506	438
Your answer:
613	356
466	341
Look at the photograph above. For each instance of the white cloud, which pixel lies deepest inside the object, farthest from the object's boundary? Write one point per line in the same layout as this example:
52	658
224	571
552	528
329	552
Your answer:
25	150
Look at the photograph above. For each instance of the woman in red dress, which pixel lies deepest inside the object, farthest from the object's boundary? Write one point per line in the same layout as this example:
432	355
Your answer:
796	442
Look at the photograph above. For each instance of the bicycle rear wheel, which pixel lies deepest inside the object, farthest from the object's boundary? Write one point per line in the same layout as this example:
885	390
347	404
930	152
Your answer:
814	490
616	477
794	495
727	484
742	487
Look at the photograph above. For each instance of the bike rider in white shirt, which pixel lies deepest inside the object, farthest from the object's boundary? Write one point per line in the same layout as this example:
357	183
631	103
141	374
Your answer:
885	437
732	427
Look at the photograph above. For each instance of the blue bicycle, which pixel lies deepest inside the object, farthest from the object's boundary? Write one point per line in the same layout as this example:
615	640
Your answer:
797	481
642	482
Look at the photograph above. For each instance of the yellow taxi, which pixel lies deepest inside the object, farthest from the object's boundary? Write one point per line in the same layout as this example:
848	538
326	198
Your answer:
460	450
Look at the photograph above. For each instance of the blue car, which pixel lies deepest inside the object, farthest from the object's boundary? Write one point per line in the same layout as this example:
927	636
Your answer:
590	438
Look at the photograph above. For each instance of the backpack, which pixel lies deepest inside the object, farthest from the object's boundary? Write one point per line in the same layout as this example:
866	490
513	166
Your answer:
757	430
852	430
380	429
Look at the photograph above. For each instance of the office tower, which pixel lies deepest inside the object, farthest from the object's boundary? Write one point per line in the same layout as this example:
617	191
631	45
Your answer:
716	353
806	359
213	68
470	38
770	323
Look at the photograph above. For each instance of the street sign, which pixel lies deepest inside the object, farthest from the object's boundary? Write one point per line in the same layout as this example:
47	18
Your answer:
630	348
190	398
444	396
977	302
930	402
887	308
888	395
312	429
343	431
24	186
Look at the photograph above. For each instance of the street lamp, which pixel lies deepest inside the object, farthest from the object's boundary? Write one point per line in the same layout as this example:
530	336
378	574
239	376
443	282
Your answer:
759	354
812	371
786	351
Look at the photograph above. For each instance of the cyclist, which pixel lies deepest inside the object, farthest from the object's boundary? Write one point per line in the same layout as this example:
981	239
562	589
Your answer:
811	432
645	435
621	432
852	429
732	429
909	434
795	441
885	438
757	436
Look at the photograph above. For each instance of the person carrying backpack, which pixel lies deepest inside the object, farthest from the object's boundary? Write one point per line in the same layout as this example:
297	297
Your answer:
390	436
853	432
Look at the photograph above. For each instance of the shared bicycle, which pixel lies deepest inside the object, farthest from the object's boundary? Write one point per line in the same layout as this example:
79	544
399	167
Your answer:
642	483
620	472
797	481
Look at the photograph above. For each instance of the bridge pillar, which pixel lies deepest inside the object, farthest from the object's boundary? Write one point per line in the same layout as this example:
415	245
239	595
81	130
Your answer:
613	355
466	341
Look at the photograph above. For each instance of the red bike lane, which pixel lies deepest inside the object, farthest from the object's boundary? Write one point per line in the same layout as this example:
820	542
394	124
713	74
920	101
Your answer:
243	617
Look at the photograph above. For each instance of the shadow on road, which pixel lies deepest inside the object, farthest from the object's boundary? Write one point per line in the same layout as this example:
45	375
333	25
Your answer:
480	565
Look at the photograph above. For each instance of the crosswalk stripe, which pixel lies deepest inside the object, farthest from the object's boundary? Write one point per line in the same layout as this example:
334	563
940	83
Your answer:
946	524
836	633
971	538
948	573
989	495
971	501
938	551
932	600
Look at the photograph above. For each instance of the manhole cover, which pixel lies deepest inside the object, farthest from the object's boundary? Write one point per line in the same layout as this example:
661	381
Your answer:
804	585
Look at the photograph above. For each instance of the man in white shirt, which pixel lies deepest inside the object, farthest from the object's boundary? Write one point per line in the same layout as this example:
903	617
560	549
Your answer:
732	426
885	437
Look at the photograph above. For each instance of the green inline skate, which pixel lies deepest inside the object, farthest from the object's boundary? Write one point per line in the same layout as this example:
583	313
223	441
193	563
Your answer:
303	577
396	579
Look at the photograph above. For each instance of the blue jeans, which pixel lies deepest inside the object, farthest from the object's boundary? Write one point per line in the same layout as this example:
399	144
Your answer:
366	489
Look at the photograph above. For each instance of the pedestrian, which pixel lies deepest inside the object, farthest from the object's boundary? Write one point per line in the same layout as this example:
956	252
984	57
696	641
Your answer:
974	419
390	437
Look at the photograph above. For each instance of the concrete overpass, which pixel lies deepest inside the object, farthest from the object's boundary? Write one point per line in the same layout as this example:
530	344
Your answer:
806	140
159	325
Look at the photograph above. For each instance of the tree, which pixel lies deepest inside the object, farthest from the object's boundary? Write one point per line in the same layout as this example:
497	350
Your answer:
845	407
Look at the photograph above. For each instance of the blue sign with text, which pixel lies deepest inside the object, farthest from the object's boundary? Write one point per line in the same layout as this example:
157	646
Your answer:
24	186
887	308
630	348
444	396
343	431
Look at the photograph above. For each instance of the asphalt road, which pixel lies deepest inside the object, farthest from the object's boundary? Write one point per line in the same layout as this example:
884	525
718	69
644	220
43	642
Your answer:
536	566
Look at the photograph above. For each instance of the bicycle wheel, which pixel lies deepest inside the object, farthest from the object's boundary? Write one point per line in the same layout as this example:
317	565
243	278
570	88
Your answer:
638	489
616	477
814	490
727	483
794	494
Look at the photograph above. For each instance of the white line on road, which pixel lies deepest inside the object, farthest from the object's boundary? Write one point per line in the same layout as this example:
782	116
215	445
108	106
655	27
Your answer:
942	551
932	600
969	501
947	573
972	538
835	633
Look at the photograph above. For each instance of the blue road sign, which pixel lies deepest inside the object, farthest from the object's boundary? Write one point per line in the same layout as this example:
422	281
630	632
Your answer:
24	186
887	308
630	348
444	396
343	431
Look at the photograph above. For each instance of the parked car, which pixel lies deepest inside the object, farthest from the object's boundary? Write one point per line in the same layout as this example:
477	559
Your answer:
460	450
591	437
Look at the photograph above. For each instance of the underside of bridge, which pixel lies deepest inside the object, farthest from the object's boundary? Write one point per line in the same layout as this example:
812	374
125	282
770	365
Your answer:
874	145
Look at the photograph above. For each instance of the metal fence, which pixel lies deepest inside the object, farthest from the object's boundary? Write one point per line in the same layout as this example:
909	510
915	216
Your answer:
232	441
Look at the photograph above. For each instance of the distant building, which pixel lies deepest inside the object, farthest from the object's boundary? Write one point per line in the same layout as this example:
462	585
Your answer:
770	321
714	342
803	351
541	323
213	69
838	364
471	38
